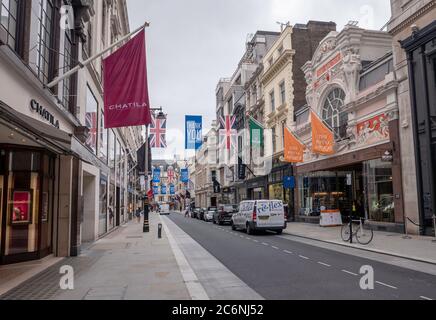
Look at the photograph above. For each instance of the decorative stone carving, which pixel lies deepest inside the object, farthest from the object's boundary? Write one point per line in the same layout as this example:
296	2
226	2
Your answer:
351	68
83	11
327	46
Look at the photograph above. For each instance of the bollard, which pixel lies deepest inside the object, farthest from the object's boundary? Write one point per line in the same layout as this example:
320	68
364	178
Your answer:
159	231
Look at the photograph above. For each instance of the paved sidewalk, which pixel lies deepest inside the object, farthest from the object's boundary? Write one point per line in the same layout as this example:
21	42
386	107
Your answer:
417	248
134	266
125	265
14	275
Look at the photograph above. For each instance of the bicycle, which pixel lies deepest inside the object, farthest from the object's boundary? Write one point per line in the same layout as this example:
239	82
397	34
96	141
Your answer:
363	236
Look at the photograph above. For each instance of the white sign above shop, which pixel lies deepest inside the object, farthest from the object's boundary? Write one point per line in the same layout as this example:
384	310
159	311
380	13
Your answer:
44	113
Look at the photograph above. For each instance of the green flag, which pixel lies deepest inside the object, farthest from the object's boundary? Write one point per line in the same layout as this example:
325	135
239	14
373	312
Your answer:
256	134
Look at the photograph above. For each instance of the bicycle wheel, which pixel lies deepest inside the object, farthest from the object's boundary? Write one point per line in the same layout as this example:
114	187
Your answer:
345	233
363	236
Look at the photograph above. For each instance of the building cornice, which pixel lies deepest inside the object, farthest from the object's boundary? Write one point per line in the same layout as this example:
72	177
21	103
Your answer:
407	22
278	65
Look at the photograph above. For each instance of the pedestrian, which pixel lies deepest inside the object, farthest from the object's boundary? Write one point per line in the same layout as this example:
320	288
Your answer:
138	215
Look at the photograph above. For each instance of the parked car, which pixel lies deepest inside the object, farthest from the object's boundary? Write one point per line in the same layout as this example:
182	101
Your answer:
260	215
224	214
209	214
202	213
196	213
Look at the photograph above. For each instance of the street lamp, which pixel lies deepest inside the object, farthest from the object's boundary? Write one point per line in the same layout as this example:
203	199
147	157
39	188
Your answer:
160	116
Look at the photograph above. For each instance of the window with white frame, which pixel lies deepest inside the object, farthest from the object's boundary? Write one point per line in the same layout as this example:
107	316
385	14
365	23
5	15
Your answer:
272	101
282	93
333	111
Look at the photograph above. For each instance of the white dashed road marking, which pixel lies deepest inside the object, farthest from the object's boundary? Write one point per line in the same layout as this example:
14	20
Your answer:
349	272
303	257
288	252
425	298
256	241
324	264
265	244
275	248
386	285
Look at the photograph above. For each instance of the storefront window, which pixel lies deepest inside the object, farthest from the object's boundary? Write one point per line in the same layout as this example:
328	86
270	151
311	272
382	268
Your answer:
379	190
102	228
102	139
276	192
91	119
24	187
324	190
111	149
118	160
111	209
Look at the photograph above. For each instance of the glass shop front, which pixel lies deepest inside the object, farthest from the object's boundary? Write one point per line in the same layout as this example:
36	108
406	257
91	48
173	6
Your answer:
363	190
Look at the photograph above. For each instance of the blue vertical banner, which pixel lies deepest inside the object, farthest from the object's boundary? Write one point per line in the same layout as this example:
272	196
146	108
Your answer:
163	190
156	190
193	132
156	176
172	190
184	175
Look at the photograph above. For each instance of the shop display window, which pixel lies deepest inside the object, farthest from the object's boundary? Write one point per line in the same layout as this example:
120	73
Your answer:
21	207
379	191
102	229
325	190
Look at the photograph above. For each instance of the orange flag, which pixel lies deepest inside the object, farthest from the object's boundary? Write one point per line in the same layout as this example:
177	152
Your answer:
294	149
323	139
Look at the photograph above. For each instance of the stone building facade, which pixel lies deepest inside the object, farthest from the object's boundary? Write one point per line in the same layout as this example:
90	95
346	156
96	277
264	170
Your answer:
353	89
412	27
57	162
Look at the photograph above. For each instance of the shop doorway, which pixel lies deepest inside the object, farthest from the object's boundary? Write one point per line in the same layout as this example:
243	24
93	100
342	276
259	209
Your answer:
26	204
89	210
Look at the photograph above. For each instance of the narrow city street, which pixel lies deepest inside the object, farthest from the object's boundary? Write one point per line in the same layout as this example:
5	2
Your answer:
278	268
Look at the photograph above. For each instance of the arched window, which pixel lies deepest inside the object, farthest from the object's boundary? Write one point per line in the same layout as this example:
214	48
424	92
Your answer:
332	112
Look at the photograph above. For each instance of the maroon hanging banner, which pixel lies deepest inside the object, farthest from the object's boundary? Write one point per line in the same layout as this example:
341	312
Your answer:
126	101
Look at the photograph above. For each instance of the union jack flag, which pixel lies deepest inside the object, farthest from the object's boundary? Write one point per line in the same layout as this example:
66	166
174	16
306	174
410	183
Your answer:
170	175
228	135
91	124
158	130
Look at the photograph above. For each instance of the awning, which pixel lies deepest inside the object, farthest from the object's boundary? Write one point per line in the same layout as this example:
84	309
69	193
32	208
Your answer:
45	135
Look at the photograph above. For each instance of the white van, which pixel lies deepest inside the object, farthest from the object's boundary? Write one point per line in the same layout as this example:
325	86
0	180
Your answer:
164	209
260	215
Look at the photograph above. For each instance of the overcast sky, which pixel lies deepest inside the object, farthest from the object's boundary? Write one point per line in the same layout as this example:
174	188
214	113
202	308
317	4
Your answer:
191	44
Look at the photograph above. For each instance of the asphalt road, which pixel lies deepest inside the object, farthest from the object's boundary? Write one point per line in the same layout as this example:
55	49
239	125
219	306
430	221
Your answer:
282	269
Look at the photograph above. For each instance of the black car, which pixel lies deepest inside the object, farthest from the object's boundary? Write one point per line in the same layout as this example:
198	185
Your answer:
224	214
203	211
196	213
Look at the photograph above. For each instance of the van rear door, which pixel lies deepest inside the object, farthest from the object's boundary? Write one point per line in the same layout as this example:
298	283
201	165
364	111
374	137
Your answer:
263	213
270	214
277	212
